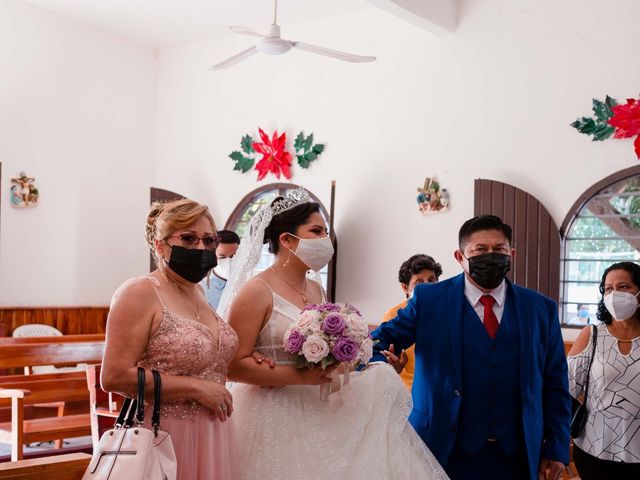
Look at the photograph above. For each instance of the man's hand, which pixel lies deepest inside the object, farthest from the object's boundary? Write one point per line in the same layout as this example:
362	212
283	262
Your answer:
550	470
397	362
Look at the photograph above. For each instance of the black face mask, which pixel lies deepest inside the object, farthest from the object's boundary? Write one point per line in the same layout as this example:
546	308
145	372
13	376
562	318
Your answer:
192	264
489	269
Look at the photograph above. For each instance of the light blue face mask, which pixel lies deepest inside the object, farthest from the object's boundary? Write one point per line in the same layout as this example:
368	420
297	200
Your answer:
583	313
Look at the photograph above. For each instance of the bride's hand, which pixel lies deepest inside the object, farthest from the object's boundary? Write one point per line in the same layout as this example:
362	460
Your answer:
397	362
316	375
215	397
260	358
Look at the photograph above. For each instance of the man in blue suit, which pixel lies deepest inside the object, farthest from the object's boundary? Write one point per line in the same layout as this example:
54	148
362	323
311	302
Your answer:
490	390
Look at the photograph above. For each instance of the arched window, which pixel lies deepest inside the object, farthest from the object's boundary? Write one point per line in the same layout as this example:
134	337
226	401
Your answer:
241	216
603	227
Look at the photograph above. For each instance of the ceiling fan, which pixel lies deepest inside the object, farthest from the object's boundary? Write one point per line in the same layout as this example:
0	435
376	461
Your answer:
273	44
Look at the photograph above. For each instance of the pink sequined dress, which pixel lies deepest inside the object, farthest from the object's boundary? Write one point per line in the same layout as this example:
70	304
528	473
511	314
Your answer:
188	348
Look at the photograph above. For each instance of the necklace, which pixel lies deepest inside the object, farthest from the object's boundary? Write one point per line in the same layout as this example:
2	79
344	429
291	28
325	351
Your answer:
302	293
196	309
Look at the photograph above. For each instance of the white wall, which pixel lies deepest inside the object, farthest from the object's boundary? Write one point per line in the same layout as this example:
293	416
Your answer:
494	100
77	111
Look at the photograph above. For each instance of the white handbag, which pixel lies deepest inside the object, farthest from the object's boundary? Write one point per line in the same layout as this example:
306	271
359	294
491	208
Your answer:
134	452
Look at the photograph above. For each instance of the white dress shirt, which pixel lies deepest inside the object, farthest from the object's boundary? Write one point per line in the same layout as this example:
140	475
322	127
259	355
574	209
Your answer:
473	295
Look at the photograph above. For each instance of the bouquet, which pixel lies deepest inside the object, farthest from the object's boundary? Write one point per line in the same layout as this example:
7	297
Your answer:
329	333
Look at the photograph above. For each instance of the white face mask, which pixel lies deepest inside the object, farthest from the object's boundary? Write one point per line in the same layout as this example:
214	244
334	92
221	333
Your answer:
223	268
621	305
315	253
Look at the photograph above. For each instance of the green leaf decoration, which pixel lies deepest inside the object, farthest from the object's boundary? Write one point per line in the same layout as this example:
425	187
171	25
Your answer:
302	161
585	125
308	142
306	151
300	362
328	360
243	164
299	143
603	131
598	126
247	144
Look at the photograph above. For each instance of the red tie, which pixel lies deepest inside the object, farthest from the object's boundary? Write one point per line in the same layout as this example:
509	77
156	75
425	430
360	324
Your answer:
490	320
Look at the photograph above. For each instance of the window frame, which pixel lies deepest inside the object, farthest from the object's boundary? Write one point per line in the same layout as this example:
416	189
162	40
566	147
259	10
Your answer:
568	223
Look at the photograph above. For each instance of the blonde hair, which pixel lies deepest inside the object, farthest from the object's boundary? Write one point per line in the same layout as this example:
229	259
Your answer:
166	218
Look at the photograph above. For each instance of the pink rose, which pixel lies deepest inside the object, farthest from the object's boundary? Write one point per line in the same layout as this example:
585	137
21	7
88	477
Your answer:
315	349
308	321
366	350
356	326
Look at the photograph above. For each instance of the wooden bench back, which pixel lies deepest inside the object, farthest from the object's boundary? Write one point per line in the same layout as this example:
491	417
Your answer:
94	337
60	467
72	389
43	353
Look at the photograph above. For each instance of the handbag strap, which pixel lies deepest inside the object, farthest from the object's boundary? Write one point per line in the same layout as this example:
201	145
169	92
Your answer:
157	393
133	409
594	338
124	411
140	398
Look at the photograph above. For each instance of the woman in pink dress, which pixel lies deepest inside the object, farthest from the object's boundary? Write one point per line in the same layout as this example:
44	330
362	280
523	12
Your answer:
162	321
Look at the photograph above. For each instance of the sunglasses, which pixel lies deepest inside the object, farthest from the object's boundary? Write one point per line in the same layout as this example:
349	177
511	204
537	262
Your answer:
189	240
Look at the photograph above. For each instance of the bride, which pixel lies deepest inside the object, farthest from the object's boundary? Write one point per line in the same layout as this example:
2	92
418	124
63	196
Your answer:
283	429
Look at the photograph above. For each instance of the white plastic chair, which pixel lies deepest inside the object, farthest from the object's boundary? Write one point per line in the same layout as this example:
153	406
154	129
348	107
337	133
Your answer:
36	330
39	330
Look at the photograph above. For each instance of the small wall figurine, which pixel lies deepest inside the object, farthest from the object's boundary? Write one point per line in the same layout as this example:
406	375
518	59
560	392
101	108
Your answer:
24	193
431	198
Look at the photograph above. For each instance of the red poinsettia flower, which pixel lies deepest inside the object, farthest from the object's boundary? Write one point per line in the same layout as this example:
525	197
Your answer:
626	120
274	157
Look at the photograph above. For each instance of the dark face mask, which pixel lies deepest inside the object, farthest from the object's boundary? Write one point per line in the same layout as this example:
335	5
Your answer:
489	269
192	264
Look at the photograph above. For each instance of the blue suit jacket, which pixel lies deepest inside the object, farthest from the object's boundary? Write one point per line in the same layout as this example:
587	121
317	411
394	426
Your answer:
432	320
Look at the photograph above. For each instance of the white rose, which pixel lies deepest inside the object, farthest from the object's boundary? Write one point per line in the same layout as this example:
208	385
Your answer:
366	350
356	326
315	349
309	321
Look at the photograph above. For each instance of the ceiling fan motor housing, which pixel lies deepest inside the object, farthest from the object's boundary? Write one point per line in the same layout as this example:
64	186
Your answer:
273	46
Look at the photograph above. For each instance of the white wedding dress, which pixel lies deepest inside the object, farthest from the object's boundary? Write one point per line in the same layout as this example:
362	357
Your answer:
360	432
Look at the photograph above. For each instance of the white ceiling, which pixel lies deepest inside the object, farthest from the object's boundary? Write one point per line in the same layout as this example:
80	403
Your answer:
161	23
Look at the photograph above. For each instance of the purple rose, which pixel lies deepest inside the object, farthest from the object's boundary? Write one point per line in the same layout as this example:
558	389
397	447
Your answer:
331	307
311	306
345	349
294	342
334	324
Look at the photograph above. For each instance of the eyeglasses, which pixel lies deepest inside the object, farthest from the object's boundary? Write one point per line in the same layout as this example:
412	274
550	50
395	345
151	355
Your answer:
189	240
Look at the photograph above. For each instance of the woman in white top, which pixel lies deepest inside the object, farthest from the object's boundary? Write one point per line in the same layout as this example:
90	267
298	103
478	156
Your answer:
609	446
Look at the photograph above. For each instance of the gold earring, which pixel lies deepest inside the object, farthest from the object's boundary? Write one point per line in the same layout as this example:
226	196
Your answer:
288	259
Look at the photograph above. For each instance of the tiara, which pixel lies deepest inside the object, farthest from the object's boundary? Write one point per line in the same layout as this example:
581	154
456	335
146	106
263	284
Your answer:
292	199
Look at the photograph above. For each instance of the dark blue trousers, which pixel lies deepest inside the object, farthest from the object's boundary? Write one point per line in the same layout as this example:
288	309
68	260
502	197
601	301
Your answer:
490	464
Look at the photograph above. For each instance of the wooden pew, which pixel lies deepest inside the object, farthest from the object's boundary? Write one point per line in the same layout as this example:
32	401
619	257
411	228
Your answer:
18	391
104	406
60	467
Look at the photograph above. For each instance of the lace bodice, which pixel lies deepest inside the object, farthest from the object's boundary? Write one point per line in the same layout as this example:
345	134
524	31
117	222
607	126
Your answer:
186	347
269	343
270	339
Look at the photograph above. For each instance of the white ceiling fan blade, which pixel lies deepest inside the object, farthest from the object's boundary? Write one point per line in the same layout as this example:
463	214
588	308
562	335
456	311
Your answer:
246	31
235	59
347	57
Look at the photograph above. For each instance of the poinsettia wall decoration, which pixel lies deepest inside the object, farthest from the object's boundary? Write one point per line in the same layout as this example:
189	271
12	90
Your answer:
274	157
621	121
